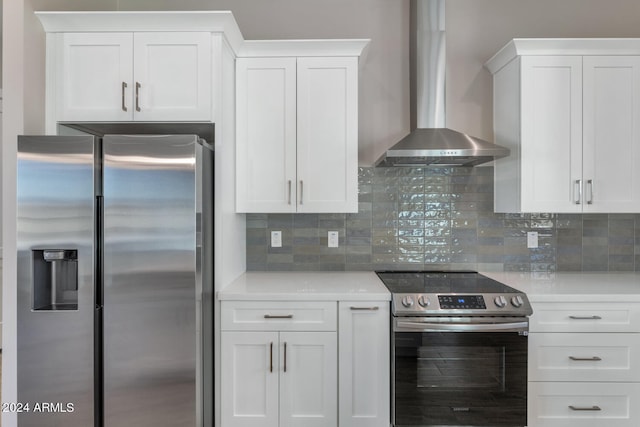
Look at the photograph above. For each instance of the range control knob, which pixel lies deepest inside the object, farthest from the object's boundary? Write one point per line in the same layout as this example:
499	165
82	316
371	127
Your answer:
407	301
517	301
500	301
424	301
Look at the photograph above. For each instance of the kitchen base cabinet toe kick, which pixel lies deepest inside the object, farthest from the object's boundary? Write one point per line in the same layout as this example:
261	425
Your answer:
304	364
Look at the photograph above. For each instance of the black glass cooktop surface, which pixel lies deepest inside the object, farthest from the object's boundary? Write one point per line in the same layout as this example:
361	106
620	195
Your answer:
441	282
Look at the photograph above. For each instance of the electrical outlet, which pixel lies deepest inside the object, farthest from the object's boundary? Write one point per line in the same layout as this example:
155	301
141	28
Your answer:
276	239
532	239
333	239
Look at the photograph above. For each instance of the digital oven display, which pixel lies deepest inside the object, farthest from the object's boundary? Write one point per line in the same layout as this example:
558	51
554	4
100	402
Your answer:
462	302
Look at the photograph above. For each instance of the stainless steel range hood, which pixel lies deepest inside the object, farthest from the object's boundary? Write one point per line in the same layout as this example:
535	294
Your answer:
431	143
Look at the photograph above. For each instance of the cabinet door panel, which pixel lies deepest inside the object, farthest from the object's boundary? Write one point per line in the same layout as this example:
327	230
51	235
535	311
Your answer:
551	133
327	134
249	396
266	135
364	381
611	133
91	74
174	74
308	379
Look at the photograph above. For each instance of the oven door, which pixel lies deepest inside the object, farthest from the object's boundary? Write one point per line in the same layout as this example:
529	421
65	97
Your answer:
457	372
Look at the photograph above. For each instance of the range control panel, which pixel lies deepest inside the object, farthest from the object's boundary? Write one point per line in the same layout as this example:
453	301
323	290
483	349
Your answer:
488	304
462	302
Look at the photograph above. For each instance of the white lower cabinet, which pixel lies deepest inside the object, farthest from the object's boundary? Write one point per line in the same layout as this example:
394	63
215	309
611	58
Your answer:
286	379
301	363
584	365
364	364
284	373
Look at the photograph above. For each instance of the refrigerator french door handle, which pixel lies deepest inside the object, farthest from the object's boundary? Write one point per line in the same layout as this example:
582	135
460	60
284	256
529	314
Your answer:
98	314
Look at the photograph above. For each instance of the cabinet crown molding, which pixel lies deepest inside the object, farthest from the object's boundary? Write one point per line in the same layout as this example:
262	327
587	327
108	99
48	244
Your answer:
295	48
214	21
563	46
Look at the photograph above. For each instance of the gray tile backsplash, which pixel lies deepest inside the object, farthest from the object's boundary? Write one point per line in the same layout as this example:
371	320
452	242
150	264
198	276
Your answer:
431	218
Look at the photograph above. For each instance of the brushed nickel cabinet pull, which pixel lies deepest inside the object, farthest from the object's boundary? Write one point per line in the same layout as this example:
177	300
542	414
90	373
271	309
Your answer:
585	317
301	191
124	87
138	86
585	408
590	185
586	359
577	191
276	316
271	357
285	357
365	308
289	196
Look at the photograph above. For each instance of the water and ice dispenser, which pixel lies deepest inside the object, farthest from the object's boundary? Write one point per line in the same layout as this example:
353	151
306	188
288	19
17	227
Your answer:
55	279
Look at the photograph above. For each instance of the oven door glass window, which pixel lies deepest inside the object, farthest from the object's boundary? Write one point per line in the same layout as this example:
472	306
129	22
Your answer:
460	379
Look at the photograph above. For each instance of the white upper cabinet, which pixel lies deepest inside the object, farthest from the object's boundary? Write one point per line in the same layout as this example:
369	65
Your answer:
327	149
570	112
135	76
611	133
266	125
297	133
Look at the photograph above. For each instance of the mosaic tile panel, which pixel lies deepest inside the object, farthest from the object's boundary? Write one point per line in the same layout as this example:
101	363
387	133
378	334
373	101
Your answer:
431	218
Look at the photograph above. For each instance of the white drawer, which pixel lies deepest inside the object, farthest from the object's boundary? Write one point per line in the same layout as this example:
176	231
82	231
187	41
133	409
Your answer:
584	357
550	404
585	317
278	316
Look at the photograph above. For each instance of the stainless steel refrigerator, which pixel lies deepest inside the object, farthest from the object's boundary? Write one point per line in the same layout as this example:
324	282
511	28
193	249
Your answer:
115	281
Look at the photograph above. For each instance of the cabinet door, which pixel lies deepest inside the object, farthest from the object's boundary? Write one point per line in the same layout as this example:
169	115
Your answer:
327	134
249	379
308	379
94	77
551	134
266	135
364	364
172	76
612	133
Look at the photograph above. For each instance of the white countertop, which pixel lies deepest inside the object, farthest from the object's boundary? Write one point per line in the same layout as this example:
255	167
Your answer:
574	286
306	286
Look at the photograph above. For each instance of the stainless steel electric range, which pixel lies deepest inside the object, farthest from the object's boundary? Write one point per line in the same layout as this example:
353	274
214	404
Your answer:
459	350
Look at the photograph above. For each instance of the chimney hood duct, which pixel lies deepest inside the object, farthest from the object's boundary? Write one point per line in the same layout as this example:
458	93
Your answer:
431	144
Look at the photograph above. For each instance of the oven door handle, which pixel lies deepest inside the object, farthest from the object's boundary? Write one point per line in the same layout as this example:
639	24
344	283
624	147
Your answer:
408	326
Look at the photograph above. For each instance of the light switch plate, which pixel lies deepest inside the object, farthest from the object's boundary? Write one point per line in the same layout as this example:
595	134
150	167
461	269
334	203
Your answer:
532	239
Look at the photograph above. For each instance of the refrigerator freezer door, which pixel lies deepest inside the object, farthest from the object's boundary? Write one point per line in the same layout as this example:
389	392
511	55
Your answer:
150	334
55	301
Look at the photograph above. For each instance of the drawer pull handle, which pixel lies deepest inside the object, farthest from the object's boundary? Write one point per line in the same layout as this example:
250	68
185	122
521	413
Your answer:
585	359
365	308
272	316
585	408
585	317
